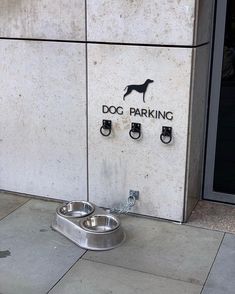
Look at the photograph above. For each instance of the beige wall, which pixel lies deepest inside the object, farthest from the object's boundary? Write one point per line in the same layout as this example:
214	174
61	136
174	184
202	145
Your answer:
49	86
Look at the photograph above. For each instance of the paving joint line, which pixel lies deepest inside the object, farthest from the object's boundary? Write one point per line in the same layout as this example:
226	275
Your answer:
208	229
65	273
15	210
35	197
142	272
203	287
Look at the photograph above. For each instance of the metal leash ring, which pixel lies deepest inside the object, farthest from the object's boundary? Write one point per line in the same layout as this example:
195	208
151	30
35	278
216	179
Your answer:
135	138
164	141
131	201
105	134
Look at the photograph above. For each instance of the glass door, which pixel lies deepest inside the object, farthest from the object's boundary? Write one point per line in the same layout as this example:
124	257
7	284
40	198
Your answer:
220	154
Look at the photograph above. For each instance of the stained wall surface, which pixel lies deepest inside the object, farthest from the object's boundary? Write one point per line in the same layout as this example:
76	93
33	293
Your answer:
118	163
63	64
43	119
44	19
168	177
149	22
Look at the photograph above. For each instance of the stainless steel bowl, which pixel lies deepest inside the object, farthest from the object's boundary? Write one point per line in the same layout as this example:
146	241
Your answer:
101	232
100	223
76	209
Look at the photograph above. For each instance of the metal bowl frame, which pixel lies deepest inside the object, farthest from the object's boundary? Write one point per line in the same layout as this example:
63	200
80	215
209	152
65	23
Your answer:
92	235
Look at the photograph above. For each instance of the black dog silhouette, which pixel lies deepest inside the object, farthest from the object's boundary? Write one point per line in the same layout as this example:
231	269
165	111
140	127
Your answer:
139	88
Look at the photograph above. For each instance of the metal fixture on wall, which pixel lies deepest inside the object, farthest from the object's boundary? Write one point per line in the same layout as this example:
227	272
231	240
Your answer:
106	128
166	135
135	129
126	207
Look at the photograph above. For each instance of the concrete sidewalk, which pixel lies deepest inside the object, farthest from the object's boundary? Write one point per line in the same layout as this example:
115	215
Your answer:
158	257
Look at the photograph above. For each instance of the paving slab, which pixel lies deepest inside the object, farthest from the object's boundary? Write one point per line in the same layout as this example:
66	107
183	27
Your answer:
213	216
88	277
163	249
9	203
33	257
221	279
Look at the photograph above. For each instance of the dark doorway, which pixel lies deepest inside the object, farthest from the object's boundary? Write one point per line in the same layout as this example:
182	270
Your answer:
224	173
220	156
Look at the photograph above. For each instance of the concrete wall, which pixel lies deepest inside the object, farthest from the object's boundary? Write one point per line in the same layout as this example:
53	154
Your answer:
43	98
53	93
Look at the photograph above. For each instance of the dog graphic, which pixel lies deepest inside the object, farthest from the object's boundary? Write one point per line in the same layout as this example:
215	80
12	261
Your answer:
139	88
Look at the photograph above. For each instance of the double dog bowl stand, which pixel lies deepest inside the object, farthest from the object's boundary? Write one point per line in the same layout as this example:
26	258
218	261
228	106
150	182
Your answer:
88	226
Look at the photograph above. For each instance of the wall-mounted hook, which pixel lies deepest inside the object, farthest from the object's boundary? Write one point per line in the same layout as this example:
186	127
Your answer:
106	128
166	135
135	129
